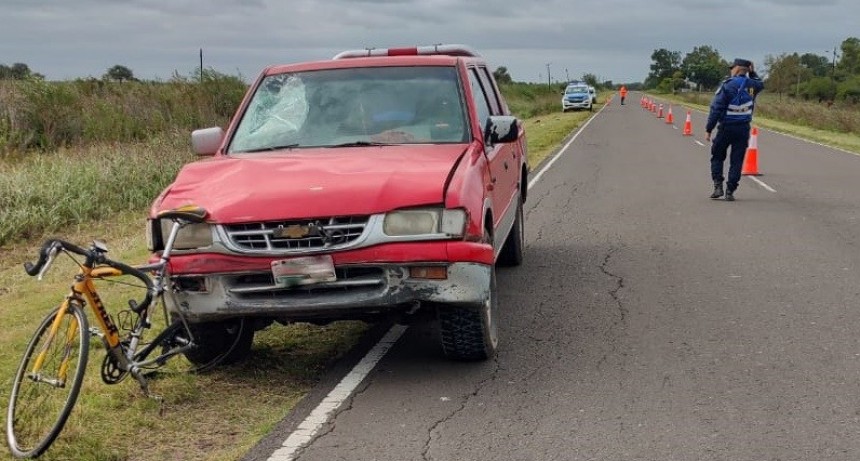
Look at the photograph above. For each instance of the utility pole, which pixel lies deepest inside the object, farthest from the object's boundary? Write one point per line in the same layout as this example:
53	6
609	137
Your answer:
548	77
833	65
566	76
201	65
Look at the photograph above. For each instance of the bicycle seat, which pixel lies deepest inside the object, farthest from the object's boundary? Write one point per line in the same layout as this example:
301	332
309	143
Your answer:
189	213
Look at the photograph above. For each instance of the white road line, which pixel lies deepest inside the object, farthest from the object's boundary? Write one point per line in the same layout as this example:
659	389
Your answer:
762	184
310	427
700	143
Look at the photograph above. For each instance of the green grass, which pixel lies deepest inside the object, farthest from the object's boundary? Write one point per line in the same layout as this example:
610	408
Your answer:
48	192
837	126
545	132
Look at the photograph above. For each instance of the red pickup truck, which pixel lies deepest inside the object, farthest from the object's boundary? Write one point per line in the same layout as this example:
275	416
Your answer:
377	184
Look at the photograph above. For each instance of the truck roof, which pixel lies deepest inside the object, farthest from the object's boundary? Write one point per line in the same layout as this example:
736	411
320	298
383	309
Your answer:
432	55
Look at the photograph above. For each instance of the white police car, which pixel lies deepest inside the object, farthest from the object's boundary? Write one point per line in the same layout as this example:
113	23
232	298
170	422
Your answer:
577	96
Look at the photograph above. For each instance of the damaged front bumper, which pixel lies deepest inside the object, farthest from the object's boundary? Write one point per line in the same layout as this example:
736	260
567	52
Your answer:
361	290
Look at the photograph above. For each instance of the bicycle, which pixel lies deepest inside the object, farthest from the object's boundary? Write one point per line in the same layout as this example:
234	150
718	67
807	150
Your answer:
49	377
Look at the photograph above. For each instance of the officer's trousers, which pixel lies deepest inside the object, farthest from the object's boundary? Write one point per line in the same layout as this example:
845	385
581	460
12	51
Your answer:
737	137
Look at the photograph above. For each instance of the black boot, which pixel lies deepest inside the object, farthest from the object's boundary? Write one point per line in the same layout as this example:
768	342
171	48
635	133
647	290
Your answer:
718	190
730	196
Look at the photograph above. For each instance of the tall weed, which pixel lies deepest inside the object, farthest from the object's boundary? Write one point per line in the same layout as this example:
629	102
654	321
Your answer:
40	115
527	100
47	192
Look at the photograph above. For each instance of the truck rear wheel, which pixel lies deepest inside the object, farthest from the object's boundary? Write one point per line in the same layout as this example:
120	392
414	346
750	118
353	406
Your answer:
512	250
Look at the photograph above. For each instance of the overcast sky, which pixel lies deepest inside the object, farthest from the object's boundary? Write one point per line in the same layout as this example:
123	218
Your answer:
612	39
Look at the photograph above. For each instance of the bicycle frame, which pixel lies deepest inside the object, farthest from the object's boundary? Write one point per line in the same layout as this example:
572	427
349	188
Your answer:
85	289
50	357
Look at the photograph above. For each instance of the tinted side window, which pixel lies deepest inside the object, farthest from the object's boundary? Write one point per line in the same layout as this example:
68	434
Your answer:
487	83
480	98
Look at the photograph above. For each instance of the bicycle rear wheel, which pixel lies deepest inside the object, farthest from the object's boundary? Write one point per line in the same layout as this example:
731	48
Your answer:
40	404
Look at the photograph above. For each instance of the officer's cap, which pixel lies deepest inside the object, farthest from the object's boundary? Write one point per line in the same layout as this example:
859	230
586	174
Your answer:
741	62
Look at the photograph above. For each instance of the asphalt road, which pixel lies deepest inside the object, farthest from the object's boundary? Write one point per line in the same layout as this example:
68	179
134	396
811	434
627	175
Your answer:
647	321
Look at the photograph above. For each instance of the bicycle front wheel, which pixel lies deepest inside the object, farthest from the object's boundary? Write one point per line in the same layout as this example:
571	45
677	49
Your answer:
41	400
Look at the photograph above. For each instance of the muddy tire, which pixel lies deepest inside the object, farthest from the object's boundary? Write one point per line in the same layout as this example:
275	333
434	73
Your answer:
470	333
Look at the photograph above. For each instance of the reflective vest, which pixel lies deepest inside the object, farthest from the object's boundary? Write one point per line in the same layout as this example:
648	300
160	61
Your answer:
740	109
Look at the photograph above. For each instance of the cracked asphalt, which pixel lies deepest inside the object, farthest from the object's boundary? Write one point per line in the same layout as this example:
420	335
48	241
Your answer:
647	322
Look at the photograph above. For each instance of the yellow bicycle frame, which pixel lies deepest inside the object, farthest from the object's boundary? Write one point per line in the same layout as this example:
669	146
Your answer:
83	286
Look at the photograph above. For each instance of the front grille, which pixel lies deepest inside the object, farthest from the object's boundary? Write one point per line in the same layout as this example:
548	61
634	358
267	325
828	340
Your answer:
300	235
349	280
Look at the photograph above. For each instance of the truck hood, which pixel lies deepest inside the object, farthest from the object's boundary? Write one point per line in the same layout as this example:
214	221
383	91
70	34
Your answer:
310	183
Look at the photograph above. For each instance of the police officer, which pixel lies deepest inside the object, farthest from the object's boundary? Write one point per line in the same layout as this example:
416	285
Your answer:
731	111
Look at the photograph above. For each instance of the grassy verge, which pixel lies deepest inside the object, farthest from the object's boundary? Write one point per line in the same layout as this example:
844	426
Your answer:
805	121
544	133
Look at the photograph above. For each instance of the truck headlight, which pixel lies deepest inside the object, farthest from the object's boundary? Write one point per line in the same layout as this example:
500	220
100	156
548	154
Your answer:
425	221
191	236
453	222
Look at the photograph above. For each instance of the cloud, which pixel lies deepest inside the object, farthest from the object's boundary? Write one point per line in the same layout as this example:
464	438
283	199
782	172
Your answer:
64	39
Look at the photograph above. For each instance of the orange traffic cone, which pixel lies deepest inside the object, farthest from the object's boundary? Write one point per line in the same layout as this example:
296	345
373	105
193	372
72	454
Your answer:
751	157
654	107
688	126
670	119
660	111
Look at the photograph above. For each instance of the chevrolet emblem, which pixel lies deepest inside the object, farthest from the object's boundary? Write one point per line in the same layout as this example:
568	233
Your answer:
294	231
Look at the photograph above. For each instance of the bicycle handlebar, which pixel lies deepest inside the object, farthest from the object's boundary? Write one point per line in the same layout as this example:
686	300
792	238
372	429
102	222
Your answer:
93	257
45	251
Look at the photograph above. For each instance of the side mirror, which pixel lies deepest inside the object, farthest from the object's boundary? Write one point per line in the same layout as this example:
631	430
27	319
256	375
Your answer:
206	141
501	129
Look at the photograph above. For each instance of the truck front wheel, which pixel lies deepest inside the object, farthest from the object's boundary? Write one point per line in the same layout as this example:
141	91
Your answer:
470	332
220	342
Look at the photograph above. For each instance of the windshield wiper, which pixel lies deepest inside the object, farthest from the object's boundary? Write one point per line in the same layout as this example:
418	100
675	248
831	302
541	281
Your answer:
267	149
360	144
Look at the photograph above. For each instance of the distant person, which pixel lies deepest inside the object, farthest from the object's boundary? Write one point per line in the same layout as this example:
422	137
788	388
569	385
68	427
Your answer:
623	93
732	111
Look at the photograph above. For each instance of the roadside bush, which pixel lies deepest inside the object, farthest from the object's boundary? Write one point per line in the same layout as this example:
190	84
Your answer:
849	90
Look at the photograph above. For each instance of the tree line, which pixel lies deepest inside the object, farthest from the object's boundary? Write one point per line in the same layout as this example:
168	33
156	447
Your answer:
21	71
807	76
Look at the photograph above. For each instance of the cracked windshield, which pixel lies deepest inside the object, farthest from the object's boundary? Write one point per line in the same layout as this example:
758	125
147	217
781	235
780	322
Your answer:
349	107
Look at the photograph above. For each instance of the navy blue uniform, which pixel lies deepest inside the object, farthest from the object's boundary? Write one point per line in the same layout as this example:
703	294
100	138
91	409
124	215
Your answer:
732	110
